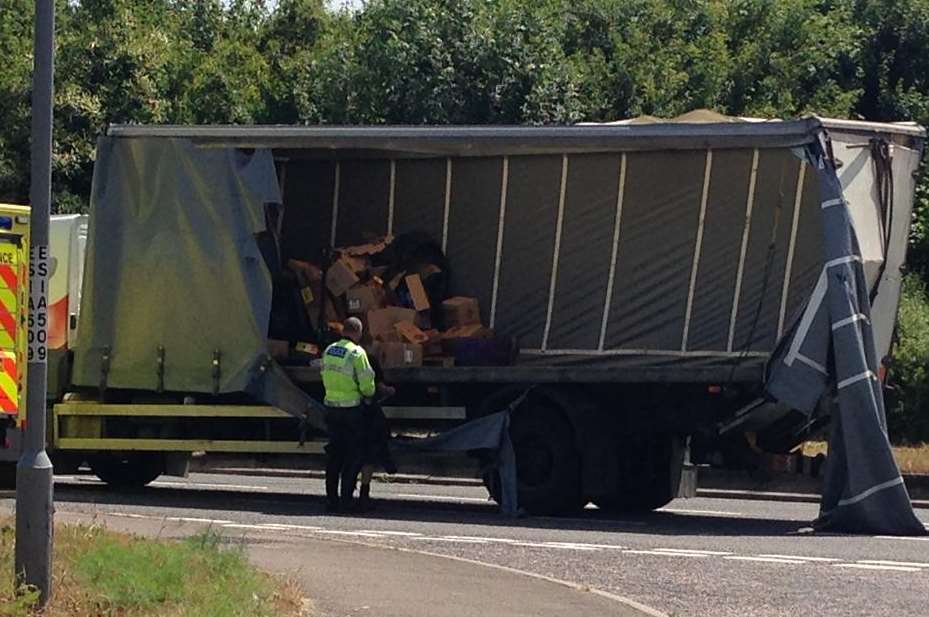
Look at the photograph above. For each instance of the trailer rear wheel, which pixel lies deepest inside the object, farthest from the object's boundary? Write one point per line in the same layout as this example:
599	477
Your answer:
649	472
547	461
133	470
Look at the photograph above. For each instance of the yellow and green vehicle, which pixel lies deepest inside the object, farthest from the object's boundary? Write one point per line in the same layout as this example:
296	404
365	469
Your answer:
14	322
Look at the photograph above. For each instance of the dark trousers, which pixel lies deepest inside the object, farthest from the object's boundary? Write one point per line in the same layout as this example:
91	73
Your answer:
344	452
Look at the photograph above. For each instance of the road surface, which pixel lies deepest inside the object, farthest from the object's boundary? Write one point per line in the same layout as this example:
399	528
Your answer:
695	557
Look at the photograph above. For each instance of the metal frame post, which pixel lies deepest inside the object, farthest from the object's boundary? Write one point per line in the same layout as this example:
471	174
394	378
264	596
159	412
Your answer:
34	484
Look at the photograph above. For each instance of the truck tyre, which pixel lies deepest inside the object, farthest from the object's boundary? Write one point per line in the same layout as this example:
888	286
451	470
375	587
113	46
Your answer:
649	473
129	470
547	460
7	475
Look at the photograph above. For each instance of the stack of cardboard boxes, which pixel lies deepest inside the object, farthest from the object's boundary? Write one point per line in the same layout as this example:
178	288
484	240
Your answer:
397	313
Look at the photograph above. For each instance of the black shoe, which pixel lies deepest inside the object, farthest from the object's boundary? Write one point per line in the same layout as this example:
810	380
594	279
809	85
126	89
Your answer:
390	466
333	507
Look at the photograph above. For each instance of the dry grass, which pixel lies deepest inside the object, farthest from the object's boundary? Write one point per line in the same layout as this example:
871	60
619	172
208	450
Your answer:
910	459
98	573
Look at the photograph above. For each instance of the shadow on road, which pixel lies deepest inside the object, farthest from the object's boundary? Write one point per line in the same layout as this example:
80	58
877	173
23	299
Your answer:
303	505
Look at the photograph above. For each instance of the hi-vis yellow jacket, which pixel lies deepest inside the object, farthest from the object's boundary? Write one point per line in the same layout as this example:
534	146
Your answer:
347	374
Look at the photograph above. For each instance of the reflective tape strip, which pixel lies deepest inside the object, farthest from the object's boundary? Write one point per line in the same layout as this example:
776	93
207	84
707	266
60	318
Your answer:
367	374
7	328
785	290
838	261
698	245
347	370
499	254
855	379
8	277
342	404
559	222
390	200
8	406
9	382
746	230
850	320
448	203
832	202
867	493
8	300
811	363
616	227
816	300
335	203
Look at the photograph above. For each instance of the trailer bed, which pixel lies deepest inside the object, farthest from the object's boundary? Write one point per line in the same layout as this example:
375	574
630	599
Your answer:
645	368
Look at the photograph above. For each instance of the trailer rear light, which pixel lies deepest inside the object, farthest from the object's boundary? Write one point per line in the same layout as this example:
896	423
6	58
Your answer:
714	389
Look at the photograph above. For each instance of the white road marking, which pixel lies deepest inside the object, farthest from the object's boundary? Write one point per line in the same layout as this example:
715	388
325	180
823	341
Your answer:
916	539
704	512
439	497
664	553
558	545
763	559
461	540
193	519
238	487
865	566
688	550
246	526
404	534
608	547
800	557
297	527
481	538
360	534
885	562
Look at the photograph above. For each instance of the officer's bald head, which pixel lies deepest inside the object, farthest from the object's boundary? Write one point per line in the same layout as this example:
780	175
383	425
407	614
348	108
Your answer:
353	329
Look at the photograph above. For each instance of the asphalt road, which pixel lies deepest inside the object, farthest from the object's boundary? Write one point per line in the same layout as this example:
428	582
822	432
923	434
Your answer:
695	557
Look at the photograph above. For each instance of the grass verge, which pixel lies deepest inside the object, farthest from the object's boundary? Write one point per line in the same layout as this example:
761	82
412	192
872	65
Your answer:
99	573
910	459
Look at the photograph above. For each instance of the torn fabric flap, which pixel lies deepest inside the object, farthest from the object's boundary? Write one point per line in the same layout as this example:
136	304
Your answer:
488	433
832	346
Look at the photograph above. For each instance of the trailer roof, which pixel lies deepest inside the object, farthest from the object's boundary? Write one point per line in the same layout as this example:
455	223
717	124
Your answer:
498	139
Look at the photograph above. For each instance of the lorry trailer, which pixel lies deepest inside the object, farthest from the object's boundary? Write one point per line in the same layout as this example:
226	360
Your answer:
645	274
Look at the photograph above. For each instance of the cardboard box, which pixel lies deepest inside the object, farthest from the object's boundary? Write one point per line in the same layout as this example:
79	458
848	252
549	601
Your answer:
414	285
363	298
371	248
331	313
340	278
461	311
357	264
468	331
410	333
428	270
400	355
306	348
381	321
307	272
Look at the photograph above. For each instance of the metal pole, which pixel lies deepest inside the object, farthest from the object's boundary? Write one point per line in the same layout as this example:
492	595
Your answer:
34	503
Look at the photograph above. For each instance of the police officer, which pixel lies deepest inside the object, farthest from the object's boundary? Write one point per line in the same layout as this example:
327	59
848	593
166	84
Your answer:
349	380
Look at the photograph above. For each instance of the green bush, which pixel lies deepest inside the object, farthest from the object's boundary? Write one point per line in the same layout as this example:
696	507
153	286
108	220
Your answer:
908	398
